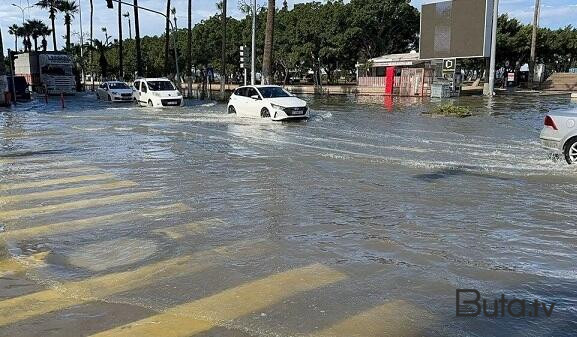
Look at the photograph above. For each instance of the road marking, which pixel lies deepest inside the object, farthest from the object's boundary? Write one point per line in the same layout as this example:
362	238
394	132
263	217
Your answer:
59	181
86	203
56	172
203	314
11	265
395	318
66	192
78	225
180	231
53	164
73	293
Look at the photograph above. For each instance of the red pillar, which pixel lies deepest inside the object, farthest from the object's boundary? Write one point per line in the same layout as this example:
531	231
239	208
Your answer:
390	80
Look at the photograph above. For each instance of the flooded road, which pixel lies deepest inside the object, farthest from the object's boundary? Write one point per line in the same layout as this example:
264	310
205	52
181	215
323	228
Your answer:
363	221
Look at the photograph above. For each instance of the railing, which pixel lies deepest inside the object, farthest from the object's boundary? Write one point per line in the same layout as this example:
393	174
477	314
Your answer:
377	82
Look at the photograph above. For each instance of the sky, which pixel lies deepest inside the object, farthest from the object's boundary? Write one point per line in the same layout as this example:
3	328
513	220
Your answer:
554	14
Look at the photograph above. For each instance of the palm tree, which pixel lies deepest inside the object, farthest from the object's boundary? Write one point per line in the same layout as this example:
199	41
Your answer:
101	47
268	43
27	32
52	7
120	55
137	39
69	8
45	31
91	40
13	30
36	27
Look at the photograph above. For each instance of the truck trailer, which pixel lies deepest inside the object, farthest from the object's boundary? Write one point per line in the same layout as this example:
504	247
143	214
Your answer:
46	72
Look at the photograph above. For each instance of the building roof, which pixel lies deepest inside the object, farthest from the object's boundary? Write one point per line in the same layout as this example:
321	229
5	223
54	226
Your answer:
407	59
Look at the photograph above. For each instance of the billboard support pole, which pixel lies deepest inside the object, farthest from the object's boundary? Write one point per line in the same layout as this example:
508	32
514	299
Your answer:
491	91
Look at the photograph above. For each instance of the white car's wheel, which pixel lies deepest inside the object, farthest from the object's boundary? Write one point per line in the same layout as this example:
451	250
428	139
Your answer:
571	151
264	113
109	98
150	104
231	110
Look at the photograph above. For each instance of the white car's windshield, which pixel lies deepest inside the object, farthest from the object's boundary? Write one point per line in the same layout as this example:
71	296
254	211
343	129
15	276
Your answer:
118	86
160	86
273	92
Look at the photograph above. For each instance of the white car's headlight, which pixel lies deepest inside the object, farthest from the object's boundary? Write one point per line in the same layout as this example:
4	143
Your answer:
277	107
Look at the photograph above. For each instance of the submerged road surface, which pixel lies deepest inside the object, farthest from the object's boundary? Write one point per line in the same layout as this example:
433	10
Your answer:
363	221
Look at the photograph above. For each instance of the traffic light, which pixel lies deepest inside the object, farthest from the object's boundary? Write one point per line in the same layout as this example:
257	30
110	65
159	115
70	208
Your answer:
109	4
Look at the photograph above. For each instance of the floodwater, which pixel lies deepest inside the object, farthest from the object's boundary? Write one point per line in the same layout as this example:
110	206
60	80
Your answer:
363	221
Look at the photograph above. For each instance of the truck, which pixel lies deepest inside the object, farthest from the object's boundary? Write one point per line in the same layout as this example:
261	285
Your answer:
46	72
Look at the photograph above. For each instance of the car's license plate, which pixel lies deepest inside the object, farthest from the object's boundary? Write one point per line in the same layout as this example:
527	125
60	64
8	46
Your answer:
172	103
298	112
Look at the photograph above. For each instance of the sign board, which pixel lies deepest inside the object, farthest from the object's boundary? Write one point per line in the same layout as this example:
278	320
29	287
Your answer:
456	29
449	65
510	77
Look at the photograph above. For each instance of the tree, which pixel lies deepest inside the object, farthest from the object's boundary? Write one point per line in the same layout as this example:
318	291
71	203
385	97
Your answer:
101	47
36	29
52	7
69	8
13	30
167	39
268	43
45	31
27	30
137	40
189	43
223	51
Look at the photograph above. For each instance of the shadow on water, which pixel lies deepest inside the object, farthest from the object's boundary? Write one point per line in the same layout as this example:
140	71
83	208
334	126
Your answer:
457	171
37	153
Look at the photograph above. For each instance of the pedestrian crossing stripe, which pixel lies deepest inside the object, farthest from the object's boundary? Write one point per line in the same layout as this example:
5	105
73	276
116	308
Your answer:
54	172
394	318
74	293
183	230
52	182
74	205
65	192
87	223
202	315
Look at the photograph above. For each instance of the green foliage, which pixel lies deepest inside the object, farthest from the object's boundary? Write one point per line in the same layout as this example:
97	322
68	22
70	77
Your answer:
450	110
331	36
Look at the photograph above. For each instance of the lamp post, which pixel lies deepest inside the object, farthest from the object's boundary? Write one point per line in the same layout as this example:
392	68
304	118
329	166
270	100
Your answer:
493	61
22	9
253	54
127	15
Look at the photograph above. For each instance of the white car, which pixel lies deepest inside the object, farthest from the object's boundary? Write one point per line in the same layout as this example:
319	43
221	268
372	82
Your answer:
559	134
156	92
267	101
114	91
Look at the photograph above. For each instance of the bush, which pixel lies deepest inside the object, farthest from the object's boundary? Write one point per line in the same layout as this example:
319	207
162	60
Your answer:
450	110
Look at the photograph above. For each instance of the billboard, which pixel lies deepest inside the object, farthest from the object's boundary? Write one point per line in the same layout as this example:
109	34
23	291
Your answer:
456	29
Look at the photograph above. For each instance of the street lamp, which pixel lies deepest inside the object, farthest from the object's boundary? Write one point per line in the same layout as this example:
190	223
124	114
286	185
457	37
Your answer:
22	9
253	54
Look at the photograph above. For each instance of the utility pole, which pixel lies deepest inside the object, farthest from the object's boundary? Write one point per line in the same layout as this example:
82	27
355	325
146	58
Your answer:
223	66
120	38
253	53
81	44
491	90
534	44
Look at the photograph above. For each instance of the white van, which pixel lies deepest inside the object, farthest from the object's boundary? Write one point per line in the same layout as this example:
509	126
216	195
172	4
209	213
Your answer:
156	92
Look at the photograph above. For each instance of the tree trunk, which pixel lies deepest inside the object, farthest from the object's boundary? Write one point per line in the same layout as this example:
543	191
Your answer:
15	42
137	40
2	64
268	43
67	23
223	65
120	52
167	39
91	44
35	44
53	33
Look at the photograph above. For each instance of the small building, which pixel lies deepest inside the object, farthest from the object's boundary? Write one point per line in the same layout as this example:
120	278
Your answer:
398	74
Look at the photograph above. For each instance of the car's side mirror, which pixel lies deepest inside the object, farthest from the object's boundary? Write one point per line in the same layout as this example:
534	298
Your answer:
255	97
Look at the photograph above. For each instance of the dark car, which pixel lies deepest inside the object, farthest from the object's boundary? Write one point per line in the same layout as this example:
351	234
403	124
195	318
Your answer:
22	91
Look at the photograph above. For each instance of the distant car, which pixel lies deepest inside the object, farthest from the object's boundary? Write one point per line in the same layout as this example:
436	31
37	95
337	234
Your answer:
156	92
559	134
22	90
114	91
267	101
